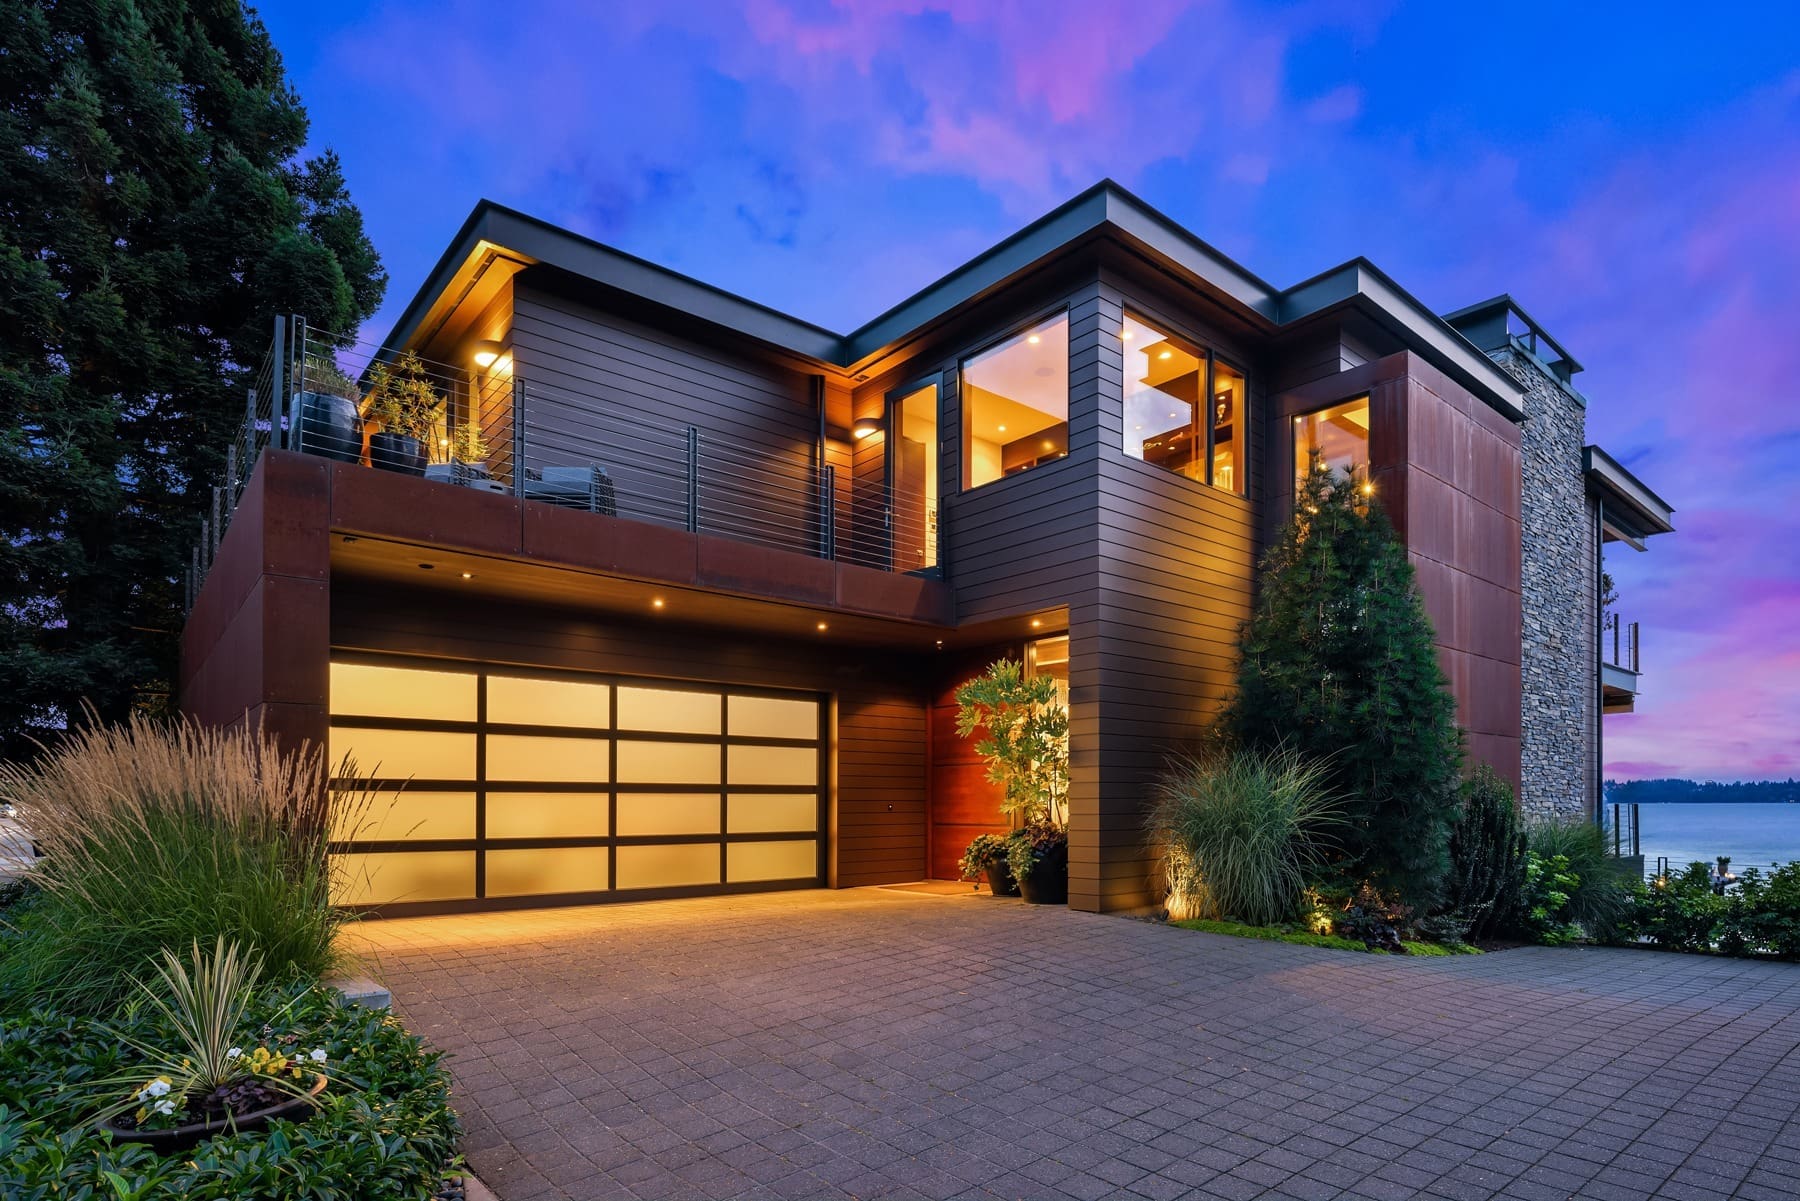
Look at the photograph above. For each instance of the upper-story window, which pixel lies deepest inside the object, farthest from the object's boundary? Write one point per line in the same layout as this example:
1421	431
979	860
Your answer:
1184	407
1015	403
1338	436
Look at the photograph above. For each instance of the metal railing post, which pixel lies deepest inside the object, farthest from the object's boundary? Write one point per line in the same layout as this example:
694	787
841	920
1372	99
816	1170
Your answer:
693	480
297	331
1634	646
278	380
828	526
518	437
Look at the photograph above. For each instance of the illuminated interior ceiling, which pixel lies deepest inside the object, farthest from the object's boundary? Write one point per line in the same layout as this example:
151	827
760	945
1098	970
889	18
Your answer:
1022	386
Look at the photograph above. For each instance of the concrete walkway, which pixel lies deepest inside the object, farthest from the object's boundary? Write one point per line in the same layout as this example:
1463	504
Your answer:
882	1043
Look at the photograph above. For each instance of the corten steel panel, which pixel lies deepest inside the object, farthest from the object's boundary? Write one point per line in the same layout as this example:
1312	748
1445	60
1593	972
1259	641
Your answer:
742	567
257	640
409	509
879	811
963	802
596	542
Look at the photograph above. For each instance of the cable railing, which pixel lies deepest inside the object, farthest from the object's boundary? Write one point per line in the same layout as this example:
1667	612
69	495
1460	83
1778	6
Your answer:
1619	642
487	427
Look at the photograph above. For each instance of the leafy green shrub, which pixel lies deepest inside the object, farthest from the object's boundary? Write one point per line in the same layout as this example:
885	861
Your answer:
1546	900
1040	848
1679	912
1338	662
383	1132
1373	920
1770	911
1239	834
1025	739
1487	861
1599	897
985	851
161	836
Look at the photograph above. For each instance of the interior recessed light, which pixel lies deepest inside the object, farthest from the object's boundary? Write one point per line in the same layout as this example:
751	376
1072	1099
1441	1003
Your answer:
1003	429
1036	622
1125	334
1166	355
468	575
823	627
656	602
1034	339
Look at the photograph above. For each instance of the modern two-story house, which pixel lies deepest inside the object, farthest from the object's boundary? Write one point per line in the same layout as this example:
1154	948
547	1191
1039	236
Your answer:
687	617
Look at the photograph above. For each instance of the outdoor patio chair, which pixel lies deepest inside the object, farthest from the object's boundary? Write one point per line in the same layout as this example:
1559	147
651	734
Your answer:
587	488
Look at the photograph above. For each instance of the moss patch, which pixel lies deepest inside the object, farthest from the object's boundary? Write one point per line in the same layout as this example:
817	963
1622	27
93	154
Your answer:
1306	938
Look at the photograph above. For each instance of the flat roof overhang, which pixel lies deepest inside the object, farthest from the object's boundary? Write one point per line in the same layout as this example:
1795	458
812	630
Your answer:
1630	511
1618	689
1102	211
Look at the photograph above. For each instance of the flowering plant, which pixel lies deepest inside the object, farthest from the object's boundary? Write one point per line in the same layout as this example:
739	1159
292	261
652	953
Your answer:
208	1075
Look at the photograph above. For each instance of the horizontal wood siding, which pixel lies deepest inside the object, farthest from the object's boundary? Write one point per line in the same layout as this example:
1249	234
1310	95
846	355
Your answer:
603	388
880	759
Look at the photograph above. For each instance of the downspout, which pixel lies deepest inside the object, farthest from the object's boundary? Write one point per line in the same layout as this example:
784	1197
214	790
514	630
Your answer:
1599	763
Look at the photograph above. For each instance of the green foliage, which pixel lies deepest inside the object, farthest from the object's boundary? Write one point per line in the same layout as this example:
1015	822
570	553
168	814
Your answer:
1238	834
322	375
468	444
1601	897
1545	900
1338	663
160	836
1025	739
384	1130
403	398
984	852
1289	934
1487	860
157	217
1039	847
1680	912
1758	915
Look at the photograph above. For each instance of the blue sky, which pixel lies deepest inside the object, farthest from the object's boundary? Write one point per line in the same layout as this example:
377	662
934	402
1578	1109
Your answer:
1631	174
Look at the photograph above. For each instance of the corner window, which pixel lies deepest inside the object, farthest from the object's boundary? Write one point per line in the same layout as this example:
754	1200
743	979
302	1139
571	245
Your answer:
1015	404
1184	408
1338	436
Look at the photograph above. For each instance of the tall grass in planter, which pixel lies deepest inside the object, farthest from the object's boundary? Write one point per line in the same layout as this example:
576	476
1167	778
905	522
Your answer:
1600	898
158	836
1239	833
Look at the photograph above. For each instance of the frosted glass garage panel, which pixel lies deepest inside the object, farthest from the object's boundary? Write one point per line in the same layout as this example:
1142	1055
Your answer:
546	815
669	866
404	754
750	861
378	878
795	765
772	717
668	813
361	690
668	711
668	762
390	816
516	700
551	760
772	813
540	871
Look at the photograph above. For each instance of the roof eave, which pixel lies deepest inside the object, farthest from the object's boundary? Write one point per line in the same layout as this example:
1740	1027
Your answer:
1608	479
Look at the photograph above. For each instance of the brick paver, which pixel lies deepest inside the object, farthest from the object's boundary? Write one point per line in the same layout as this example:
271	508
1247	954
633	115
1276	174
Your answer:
884	1044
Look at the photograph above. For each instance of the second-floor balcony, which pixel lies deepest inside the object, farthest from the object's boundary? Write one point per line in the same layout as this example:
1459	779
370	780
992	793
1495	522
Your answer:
1618	664
557	442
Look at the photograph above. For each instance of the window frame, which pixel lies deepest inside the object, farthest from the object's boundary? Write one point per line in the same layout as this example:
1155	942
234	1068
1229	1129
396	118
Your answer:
1043	316
890	402
1296	419
1211	356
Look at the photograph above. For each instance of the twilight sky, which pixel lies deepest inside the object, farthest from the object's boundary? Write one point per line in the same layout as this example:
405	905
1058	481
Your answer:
1632	178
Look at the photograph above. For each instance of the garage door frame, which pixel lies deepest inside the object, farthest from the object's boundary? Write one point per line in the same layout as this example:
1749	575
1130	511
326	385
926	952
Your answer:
480	845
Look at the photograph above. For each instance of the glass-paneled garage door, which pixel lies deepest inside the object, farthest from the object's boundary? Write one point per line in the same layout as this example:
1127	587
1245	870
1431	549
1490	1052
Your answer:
510	787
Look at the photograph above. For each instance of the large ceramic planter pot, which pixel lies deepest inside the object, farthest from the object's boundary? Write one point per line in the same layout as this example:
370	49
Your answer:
330	427
397	452
185	1138
1000	880
1048	883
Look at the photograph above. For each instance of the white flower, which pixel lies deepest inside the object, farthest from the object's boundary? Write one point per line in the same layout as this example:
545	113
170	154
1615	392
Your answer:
318	1055
234	1052
157	1088
165	1107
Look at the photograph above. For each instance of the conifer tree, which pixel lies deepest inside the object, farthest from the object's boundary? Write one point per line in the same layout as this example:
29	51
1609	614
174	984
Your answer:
154	216
1338	663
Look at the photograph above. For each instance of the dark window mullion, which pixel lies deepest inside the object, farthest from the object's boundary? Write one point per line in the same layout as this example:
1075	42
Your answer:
1206	416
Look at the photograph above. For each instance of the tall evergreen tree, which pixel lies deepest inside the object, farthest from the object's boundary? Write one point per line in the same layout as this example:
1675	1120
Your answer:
154	215
1338	663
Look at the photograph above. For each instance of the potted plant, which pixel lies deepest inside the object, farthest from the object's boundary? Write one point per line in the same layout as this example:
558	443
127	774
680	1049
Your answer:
1026	746
468	447
212	1079
408	408
987	856
330	424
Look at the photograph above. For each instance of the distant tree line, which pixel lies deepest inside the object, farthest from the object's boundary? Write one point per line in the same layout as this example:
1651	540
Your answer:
1647	792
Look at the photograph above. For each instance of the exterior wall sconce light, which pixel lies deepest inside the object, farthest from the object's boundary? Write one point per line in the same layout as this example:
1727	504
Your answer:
487	353
865	426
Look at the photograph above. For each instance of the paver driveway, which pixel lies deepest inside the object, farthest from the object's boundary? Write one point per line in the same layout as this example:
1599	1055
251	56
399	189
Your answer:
878	1043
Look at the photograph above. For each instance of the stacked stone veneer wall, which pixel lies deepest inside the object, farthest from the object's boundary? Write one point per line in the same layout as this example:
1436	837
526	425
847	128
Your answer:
1560	707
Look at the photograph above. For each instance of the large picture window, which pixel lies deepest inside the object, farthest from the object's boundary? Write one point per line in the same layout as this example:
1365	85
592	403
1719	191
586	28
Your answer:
1184	407
1338	436
1015	404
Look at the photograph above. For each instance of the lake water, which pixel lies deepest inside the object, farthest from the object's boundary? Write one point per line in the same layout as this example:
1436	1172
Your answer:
1754	835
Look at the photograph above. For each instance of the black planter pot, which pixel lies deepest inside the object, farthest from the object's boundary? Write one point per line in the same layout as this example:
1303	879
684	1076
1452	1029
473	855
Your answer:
184	1138
1048	883
1000	880
330	427
397	452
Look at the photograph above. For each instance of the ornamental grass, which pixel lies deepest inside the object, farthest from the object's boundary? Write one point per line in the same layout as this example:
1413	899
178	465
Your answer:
158	836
